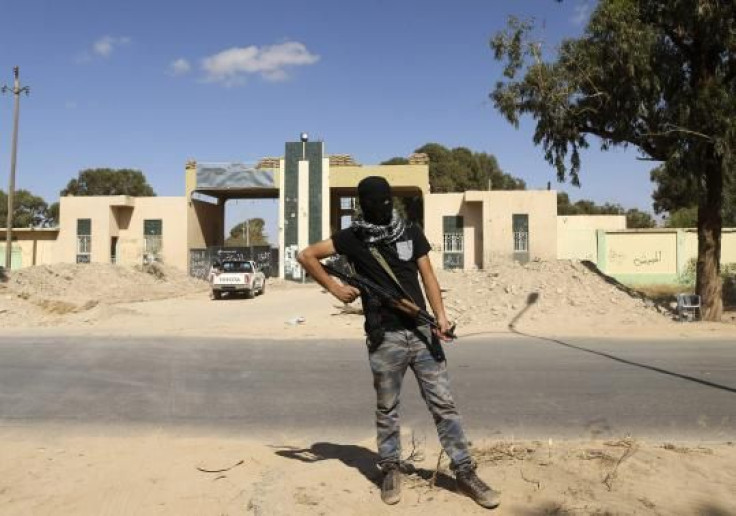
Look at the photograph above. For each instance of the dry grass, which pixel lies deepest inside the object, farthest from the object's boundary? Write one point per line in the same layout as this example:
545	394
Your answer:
503	451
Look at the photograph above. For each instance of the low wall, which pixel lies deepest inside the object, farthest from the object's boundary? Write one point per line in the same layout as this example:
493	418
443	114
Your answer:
654	256
32	247
576	234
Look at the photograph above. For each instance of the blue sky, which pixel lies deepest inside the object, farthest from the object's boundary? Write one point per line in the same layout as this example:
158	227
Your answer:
150	84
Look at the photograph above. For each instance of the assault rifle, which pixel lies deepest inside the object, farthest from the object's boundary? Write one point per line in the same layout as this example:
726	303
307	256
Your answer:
389	298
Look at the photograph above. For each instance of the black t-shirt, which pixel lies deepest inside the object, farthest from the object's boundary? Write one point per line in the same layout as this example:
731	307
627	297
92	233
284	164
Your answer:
401	256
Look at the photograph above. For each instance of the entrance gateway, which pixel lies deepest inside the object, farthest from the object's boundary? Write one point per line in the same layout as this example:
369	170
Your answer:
315	195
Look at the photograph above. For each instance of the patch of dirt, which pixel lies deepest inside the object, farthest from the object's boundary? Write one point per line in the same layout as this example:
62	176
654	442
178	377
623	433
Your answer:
544	294
558	298
58	290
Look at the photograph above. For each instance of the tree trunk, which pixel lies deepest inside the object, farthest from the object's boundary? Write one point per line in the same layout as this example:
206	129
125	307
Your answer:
708	282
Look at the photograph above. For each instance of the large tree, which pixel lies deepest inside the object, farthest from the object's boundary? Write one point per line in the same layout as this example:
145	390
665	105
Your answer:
28	210
656	74
248	232
108	181
460	169
676	194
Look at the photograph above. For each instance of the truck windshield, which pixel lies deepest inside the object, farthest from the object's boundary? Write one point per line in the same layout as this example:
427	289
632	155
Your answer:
237	267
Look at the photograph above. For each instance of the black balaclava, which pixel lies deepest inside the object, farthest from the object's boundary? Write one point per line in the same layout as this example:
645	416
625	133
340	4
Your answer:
376	203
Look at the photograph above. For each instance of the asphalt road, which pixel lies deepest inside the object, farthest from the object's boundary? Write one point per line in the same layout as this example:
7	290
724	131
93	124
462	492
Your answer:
505	385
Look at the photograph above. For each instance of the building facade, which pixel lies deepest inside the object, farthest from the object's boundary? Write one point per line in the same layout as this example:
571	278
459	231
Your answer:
316	196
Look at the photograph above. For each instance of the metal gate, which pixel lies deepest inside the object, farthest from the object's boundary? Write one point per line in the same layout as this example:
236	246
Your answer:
201	260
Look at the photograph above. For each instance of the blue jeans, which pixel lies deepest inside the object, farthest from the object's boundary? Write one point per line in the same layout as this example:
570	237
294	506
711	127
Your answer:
399	350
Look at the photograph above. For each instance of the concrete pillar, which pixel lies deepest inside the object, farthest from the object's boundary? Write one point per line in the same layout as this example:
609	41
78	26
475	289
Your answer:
602	257
303	205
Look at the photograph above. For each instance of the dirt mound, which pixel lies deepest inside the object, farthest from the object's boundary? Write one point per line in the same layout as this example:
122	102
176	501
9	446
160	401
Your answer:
71	288
543	293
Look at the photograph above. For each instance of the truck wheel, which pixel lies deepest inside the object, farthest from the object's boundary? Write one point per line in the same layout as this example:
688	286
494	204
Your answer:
216	294
263	288
249	294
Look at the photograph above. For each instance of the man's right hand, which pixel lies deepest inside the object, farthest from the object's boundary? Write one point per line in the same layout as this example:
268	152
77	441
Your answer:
345	293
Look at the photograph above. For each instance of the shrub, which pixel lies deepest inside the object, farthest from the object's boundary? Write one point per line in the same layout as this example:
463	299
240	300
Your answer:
728	275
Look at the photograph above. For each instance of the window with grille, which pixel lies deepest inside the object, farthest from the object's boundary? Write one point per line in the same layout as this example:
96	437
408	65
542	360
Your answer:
152	237
84	240
347	203
520	225
453	243
452	234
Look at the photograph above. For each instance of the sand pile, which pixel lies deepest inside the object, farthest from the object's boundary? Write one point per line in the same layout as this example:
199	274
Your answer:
543	293
551	298
70	288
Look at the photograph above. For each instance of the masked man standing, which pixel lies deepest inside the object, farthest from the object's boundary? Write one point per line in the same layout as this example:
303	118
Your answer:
383	247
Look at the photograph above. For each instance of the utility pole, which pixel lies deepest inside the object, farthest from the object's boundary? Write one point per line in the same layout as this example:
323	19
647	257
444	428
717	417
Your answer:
16	90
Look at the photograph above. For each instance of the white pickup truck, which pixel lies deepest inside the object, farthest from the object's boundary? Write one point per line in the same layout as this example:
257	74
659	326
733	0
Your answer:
237	276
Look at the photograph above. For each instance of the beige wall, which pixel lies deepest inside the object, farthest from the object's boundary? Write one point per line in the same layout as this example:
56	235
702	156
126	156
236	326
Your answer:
98	210
728	245
576	234
488	229
647	252
410	176
37	246
206	224
122	217
173	214
437	206
498	209
654	256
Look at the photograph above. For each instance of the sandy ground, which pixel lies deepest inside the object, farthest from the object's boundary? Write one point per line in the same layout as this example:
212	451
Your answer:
97	472
47	469
550	299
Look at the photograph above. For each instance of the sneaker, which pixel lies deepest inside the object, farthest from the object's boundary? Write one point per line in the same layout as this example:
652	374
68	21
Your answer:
470	484
391	486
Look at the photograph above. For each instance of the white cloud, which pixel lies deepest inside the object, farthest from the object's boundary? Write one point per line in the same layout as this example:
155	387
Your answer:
232	66
105	46
581	13
71	104
179	67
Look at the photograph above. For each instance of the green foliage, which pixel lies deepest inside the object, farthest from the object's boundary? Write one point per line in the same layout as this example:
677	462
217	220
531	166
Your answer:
728	275
53	214
634	77
28	210
687	276
676	193
396	161
586	207
248	232
683	218
460	169
634	217
107	181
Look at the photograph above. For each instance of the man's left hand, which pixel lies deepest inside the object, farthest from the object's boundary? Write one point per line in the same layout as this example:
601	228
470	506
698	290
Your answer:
443	330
